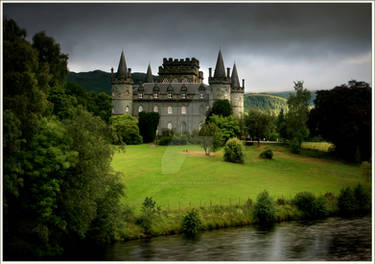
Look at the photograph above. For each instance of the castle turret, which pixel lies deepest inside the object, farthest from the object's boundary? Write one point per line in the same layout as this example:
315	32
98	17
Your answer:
149	78
122	89
220	83
237	93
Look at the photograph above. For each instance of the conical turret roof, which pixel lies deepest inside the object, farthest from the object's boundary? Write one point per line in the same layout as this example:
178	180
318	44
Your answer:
220	69
149	78
122	68
235	80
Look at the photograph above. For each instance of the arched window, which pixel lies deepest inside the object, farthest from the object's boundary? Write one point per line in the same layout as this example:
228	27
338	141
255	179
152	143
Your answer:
201	96
156	109
140	109
170	126
169	109
175	81
170	95
165	81
155	95
126	109
140	95
183	110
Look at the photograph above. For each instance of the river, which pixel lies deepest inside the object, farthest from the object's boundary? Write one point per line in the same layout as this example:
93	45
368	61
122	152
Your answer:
333	238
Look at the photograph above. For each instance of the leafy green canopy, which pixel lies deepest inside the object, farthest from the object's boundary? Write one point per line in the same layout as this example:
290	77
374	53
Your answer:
59	188
343	116
229	126
125	130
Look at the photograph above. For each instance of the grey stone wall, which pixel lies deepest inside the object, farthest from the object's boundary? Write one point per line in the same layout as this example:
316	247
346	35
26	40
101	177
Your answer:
122	99
237	100
219	92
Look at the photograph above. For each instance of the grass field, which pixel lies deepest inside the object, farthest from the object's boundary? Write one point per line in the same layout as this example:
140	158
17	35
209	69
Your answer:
176	179
321	146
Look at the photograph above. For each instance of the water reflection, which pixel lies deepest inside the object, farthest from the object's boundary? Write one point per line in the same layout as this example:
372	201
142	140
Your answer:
330	239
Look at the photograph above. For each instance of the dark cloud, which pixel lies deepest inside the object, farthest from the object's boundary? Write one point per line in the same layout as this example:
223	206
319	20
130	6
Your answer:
273	44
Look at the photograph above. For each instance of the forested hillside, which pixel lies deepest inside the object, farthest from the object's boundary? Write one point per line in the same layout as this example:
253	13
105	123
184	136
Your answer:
265	102
286	95
99	81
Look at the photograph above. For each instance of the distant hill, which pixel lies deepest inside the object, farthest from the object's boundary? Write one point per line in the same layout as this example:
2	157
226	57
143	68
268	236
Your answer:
265	102
100	81
286	95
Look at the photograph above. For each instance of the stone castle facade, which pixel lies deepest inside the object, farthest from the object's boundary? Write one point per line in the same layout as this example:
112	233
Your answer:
180	96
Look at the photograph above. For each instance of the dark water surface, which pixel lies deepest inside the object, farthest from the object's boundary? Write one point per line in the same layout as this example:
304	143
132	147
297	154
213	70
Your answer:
330	239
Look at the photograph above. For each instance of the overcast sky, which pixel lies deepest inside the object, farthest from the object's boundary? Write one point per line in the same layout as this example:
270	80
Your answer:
272	44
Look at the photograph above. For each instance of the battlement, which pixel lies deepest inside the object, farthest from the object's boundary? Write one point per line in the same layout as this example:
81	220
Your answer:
180	70
193	62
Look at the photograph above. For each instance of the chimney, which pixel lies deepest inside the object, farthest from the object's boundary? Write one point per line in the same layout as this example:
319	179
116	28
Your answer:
112	70
228	72
210	72
243	83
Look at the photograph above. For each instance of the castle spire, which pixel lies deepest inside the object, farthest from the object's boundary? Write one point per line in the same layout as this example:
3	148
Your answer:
235	80
122	68
149	78
220	69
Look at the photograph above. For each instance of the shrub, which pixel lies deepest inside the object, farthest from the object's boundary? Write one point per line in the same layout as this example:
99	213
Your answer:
266	154
295	145
149	210
310	206
233	151
211	138
249	202
191	223
363	199
346	202
280	201
165	140
264	209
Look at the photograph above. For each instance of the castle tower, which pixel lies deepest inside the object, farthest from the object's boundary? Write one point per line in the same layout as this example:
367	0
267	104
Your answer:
149	78
122	89
237	93
220	83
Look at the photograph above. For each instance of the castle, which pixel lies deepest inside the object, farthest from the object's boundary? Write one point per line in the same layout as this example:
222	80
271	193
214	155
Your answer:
179	96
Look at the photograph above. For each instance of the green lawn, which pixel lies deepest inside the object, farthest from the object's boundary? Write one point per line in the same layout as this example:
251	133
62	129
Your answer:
175	179
321	146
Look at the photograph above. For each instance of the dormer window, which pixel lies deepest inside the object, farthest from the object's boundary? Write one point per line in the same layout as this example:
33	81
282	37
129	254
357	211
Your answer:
155	95
183	110
183	96
201	96
140	95
169	95
169	110
140	109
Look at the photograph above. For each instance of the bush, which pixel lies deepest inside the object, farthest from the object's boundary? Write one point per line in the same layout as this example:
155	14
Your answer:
280	201
266	154
249	203
233	151
125	130
264	209
149	210
363	200
191	223
211	138
164	140
310	206
346	202
295	145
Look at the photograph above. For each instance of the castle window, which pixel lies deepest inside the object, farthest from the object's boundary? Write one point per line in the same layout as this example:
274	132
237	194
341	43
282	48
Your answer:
169	109
170	126
155	95
183	110
201	96
156	109
126	109
140	109
165	81
169	95
175	81
183	96
140	95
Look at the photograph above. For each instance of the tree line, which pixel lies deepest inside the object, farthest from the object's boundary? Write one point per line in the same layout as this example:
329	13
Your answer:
59	188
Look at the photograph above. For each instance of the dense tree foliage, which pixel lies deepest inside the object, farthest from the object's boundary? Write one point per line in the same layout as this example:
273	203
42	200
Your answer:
125	130
281	125
58	185
265	102
148	123
343	116
211	138
233	151
258	124
221	108
297	116
229	126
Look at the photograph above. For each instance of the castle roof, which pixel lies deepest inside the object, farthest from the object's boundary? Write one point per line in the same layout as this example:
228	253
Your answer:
235	80
149	78
122	68
220	69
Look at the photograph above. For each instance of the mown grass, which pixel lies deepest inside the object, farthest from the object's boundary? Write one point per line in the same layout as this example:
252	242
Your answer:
177	180
320	146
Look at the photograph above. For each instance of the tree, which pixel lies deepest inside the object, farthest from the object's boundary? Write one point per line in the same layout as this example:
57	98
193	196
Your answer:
211	138
281	125
148	123
343	116
125	130
221	108
229	126
258	124
297	116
